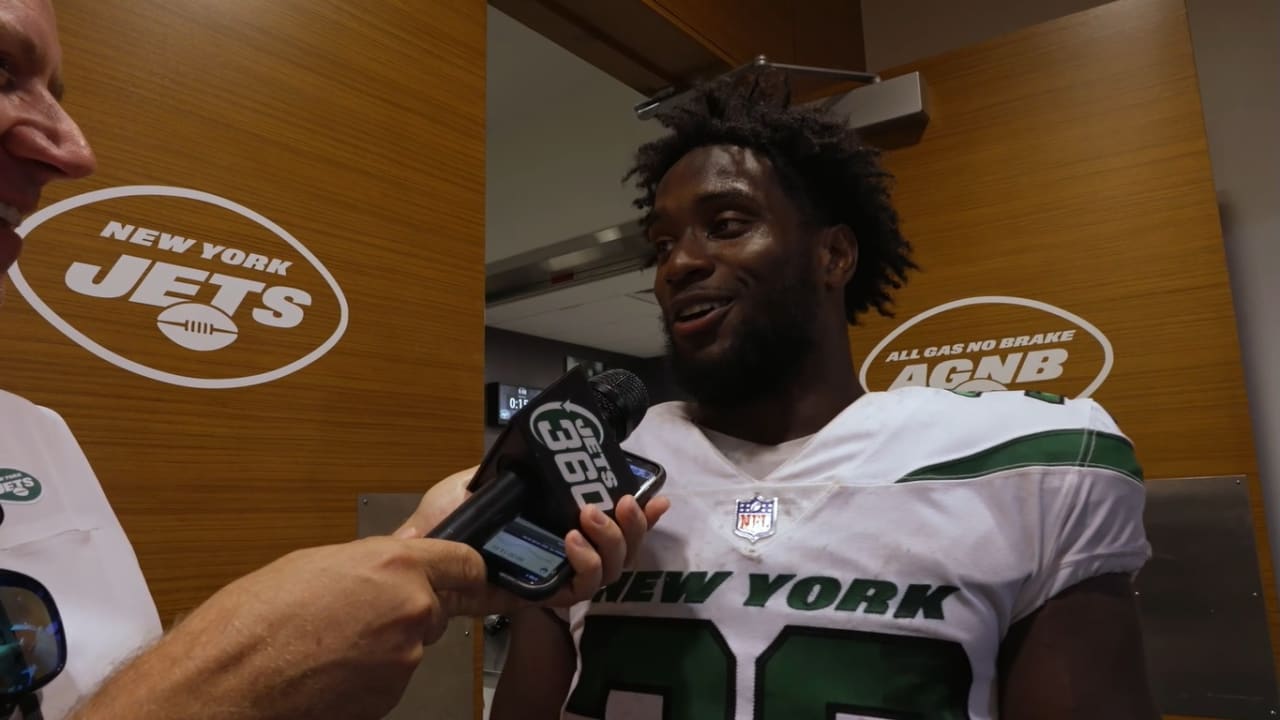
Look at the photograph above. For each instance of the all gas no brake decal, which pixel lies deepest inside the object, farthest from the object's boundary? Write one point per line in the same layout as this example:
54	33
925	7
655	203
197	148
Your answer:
1048	343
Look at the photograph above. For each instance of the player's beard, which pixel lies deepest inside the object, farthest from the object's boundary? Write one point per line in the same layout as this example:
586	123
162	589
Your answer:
771	344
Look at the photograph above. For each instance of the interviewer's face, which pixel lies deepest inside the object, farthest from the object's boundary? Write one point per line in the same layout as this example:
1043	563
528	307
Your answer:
39	142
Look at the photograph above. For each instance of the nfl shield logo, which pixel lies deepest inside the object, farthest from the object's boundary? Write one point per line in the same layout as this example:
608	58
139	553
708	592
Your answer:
757	518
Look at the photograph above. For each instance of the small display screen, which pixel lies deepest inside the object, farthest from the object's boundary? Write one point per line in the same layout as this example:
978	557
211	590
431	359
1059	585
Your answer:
535	553
513	398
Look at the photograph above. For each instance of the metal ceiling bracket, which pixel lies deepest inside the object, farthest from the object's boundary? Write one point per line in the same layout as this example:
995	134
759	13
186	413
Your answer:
650	106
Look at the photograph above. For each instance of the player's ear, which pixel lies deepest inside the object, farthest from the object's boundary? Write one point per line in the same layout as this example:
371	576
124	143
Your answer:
839	255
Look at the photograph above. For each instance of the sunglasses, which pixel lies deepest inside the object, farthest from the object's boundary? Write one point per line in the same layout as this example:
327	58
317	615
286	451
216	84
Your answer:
33	645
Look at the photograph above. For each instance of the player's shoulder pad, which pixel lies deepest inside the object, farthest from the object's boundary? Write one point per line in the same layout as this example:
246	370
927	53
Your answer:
1001	410
965	432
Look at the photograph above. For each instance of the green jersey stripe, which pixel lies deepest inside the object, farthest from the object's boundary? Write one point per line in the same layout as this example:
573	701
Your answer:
1055	448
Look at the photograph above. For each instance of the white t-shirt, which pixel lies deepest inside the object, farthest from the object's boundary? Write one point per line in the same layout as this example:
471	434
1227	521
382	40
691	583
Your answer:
908	535
59	529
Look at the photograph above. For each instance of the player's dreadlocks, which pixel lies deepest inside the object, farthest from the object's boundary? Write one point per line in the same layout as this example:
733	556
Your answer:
823	166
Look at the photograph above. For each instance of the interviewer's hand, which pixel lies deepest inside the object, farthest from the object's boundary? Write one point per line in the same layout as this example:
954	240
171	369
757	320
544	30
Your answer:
333	631
615	544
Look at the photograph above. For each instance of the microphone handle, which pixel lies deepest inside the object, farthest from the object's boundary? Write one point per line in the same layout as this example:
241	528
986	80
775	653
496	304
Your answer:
487	510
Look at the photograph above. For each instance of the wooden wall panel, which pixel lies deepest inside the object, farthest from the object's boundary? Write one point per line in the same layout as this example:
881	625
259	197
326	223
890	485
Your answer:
826	34
1067	163
359	129
715	24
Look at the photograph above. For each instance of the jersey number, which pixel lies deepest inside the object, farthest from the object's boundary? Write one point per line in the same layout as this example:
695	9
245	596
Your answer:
805	673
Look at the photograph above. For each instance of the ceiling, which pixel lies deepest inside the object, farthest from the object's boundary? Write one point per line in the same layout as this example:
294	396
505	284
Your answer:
617	314
560	135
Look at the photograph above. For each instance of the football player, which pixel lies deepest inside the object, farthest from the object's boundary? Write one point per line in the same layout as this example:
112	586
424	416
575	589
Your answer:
830	552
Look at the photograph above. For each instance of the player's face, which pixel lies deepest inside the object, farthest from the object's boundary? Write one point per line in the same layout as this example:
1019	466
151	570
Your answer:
38	141
735	275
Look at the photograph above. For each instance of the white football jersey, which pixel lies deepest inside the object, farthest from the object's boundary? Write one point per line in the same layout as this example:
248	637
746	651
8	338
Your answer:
874	574
59	529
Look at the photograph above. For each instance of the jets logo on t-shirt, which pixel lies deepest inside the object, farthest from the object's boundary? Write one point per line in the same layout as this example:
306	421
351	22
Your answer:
17	486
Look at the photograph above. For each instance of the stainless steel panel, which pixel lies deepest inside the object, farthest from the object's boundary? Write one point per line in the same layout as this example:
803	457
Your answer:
443	686
1205	626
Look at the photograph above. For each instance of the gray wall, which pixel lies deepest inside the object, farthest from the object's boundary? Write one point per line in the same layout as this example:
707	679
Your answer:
1237	50
559	135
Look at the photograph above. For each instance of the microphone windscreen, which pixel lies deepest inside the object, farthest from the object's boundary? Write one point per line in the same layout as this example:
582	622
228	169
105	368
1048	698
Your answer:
623	400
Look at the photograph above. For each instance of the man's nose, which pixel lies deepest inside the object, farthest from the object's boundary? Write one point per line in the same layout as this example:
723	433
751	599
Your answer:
688	261
49	137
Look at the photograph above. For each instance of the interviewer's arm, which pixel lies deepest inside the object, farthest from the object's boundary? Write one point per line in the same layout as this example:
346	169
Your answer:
337	631
615	540
334	631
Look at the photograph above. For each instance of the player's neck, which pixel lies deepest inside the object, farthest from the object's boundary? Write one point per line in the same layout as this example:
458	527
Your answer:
821	389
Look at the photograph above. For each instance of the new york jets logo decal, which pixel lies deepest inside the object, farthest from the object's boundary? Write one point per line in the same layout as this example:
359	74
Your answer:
179	286
17	486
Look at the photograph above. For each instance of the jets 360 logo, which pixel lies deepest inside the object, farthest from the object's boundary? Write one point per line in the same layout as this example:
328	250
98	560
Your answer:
992	343
573	433
180	286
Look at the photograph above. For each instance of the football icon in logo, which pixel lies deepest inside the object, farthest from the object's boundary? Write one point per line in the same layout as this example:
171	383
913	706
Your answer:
202	328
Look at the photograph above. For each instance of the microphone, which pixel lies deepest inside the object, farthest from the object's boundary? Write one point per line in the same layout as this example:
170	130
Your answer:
557	455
